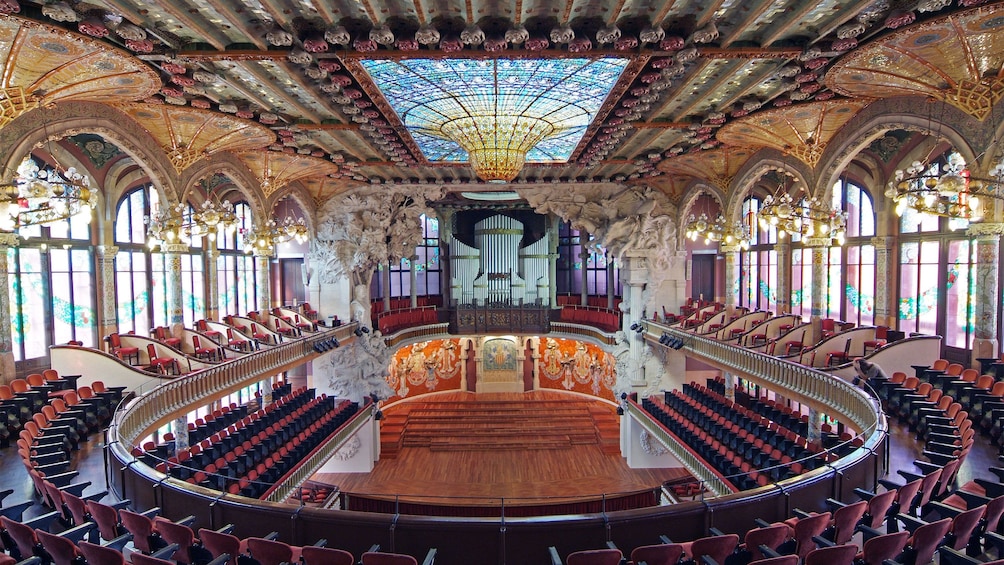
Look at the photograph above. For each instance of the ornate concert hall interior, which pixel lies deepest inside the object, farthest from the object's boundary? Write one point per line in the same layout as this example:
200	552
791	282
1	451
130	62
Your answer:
499	282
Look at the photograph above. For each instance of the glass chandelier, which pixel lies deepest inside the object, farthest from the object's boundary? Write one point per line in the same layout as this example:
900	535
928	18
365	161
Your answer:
949	191
497	144
808	218
266	237
38	196
171	225
719	230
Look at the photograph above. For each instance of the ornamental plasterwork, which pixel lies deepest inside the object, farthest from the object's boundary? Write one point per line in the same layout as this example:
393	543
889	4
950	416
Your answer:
622	219
985	229
349	450
357	369
366	228
650	445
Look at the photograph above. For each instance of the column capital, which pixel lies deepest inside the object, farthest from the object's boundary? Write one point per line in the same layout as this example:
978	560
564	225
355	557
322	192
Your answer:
262	252
108	251
883	241
9	239
212	252
986	230
729	249
175	248
816	241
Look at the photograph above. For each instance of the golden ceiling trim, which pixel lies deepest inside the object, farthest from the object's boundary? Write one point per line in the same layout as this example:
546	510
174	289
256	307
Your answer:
939	58
13	103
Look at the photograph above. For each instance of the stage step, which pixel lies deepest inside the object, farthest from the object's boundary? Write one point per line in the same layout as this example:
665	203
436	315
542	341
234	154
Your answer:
492	424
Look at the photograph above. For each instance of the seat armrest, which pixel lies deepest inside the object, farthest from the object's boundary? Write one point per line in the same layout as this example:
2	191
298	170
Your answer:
165	552
77	533
555	558
910	522
430	558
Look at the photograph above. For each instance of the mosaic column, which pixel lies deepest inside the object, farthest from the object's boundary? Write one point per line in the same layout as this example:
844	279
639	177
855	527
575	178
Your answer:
636	275
7	368
731	253
815	433
730	385
175	300
820	247
212	284
985	308
584	272
886	312
783	249
262	257
552	263
108	315
413	274
180	431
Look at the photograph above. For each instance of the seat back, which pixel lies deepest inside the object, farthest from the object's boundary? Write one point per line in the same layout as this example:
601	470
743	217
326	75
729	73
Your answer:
833	555
808	527
927	538
381	558
269	552
106	517
313	555
218	543
770	536
715	547
659	554
845	519
963	526
878	505
101	555
141	528
23	536
880	548
62	550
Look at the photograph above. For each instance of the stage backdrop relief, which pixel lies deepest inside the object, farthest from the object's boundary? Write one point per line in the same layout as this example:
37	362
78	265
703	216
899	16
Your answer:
567	364
425	367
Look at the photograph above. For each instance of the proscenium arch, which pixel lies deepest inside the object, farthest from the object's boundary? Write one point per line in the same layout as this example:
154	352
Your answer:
69	119
881	117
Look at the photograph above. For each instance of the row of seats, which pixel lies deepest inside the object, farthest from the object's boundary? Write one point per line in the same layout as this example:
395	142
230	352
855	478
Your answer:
377	306
395	320
606	320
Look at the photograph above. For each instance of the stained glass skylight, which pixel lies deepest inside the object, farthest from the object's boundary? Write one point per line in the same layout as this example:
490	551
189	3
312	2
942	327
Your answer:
549	101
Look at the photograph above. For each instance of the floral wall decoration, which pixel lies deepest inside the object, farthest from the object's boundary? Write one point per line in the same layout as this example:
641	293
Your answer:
577	366
425	367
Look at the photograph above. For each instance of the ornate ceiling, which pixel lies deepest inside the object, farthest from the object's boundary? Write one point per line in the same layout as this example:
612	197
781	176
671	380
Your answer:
707	83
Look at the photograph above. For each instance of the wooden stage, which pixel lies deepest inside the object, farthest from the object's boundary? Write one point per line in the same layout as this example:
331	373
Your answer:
467	449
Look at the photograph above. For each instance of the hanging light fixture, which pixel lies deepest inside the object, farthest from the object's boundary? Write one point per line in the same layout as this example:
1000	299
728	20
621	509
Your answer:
265	238
719	230
808	218
172	225
36	196
947	190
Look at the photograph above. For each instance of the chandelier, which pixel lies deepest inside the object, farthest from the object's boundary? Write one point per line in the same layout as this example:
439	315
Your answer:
808	218
951	192
38	196
497	144
172	225
265	238
719	230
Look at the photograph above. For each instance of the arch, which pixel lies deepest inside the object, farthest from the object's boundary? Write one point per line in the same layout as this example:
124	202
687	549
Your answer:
299	194
68	119
906	114
762	163
240	175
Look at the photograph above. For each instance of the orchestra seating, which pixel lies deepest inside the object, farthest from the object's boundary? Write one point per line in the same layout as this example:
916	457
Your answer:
392	321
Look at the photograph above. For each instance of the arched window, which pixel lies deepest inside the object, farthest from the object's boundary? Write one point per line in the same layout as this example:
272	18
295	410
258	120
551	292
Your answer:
193	285
758	265
51	290
937	273
427	266
851	277
133	285
236	276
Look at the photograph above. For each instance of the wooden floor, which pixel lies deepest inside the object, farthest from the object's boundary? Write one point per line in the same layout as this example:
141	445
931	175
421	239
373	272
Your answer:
479	464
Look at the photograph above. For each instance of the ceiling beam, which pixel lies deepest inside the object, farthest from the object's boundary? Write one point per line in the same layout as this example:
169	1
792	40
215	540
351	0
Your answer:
277	54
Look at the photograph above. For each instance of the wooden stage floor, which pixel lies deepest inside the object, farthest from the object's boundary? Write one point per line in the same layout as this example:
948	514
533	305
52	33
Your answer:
471	475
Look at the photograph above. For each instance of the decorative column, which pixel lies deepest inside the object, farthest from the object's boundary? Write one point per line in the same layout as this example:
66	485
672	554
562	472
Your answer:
886	312
385	276
730	385
731	253
414	282
175	302
584	258
635	272
783	248
552	261
820	246
108	314
212	255
987	260
7	367
815	432
261	261
180	431
611	282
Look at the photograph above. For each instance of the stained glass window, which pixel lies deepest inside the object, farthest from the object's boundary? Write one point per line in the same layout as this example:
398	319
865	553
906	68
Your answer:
427	94
236	275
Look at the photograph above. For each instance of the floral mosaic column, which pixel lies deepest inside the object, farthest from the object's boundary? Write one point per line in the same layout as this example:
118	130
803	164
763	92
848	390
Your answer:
987	259
108	321
731	275
635	273
783	249
180	431
886	312
820	247
261	261
175	299
212	282
7	368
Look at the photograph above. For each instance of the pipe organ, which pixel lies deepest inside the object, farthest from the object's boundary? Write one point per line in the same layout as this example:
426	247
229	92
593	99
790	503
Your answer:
496	270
